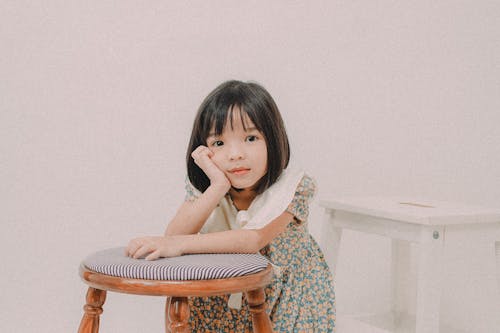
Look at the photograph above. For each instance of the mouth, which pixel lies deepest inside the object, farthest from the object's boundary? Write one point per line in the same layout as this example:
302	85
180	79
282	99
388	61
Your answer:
239	171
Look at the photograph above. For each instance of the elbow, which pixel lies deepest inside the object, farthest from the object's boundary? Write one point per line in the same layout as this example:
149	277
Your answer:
258	241
250	241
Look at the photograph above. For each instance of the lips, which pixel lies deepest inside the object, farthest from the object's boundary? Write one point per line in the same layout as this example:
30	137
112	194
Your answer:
239	171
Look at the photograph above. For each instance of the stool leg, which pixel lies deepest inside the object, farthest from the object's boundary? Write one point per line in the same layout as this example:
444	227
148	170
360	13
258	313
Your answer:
177	315
93	308
257	304
167	320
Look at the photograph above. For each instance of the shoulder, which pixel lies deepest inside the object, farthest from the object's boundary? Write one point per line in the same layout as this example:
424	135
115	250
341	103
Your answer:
304	193
306	187
192	193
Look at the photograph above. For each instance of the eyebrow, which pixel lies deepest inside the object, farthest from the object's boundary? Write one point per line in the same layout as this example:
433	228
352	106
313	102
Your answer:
249	129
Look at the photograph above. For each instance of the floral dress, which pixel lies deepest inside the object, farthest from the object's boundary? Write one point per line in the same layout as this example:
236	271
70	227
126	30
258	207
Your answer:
301	296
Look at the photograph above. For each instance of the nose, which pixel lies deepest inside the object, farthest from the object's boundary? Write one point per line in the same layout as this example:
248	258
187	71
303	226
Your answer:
236	152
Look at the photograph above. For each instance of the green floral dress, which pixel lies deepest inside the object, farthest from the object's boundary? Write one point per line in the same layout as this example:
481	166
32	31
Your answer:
301	297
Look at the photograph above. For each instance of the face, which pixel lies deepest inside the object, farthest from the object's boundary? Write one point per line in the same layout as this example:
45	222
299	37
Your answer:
241	154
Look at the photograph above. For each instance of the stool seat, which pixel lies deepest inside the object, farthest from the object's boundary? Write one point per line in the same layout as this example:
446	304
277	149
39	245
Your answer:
113	262
177	278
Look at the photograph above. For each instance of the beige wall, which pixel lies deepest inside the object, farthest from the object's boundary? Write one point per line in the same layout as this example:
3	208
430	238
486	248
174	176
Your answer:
97	100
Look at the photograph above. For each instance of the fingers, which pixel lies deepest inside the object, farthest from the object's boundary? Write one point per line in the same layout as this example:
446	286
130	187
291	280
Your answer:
143	250
199	150
132	247
153	255
139	247
201	156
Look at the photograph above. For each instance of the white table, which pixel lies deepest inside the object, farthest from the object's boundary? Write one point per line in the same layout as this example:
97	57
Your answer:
402	220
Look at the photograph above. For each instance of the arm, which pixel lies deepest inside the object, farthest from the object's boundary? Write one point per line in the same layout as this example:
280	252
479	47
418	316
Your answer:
231	241
192	214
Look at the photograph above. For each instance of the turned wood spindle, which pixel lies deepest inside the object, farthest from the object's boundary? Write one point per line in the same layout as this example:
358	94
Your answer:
93	309
257	306
178	315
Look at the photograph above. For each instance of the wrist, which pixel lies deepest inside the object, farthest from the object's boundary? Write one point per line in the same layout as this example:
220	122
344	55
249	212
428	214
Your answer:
220	187
183	242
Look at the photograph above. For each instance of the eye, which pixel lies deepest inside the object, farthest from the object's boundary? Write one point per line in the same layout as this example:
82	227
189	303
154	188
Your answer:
217	143
252	138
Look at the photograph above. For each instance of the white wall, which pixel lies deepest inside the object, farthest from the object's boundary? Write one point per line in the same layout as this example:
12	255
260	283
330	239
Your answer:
97	100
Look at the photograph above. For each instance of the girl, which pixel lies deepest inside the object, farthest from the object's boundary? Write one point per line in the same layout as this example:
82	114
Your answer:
243	198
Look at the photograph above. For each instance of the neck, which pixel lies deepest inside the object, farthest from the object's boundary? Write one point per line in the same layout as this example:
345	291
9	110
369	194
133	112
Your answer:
242	198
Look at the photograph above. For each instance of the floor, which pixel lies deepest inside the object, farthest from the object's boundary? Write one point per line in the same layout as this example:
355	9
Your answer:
380	324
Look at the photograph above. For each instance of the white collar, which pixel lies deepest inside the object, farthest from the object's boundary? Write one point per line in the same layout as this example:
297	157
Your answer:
272	202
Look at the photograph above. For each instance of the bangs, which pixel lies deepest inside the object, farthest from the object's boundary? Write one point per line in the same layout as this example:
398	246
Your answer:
221	116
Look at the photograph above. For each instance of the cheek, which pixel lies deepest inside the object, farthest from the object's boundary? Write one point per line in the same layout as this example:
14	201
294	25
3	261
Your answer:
263	156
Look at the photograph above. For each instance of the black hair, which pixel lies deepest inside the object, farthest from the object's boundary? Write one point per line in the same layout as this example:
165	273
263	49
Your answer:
255	102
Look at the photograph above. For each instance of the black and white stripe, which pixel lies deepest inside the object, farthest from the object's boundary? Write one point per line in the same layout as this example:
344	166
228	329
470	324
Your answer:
188	267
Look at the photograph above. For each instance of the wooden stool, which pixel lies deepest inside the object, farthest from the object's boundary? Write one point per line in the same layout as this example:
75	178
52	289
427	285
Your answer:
178	278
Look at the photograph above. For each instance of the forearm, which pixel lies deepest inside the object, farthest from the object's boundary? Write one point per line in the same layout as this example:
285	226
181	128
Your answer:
231	241
192	214
237	241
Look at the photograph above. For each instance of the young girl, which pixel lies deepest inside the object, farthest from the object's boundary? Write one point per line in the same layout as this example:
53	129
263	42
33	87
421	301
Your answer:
243	198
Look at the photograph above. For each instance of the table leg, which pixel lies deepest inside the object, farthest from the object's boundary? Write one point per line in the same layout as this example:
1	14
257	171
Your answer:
330	240
497	257
400	263
429	279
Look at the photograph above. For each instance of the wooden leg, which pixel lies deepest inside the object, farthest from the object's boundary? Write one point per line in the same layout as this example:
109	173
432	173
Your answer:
93	309
167	320
429	278
400	265
330	240
177	315
257	304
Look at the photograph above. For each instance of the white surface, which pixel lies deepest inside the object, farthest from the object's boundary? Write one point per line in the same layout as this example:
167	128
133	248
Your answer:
419	211
386	323
380	216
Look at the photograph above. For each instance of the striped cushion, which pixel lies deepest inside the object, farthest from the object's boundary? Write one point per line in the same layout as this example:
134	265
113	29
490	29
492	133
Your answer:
188	267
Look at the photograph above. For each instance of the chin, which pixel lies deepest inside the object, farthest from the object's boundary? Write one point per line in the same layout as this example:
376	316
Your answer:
240	187
237	189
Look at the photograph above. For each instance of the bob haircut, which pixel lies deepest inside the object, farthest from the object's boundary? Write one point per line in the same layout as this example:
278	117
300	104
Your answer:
256	103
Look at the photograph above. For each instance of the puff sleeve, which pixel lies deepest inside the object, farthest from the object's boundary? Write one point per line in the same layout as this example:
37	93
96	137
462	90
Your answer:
191	192
299	207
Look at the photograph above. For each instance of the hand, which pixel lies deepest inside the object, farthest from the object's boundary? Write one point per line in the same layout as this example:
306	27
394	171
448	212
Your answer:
154	247
203	158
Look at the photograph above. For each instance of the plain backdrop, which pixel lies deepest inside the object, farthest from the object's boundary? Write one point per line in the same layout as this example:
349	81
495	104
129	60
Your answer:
97	100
